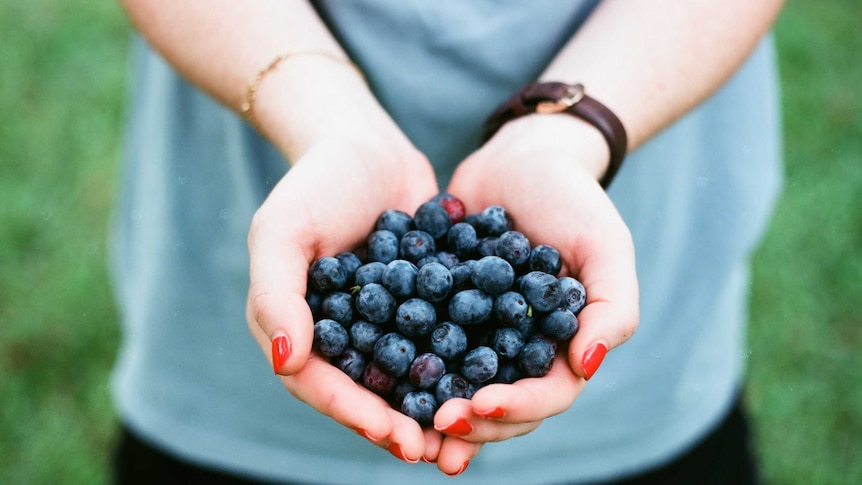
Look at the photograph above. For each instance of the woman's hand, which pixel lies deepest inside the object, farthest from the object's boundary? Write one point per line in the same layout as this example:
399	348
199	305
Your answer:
326	204
543	169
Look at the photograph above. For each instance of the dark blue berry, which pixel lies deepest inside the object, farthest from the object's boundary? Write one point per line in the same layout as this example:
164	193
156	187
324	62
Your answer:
399	278
415	318
487	246
560	324
383	246
432	218
507	342
480	365
369	273
433	282
352	362
363	335
470	307
426	370
338	306
448	340
314	299
542	291
508	372
462	274
394	353
574	294
447	259
462	240
375	303
350	262
395	221
514	247
403	387
453	386
326	274
420	405
427	259
493	275
416	245
330	337
493	221
512	310
536	358
546	259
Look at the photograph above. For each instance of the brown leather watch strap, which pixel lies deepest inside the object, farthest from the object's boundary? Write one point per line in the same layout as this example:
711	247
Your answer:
554	97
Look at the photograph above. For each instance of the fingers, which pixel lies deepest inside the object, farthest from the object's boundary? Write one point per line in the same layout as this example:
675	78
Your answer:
501	411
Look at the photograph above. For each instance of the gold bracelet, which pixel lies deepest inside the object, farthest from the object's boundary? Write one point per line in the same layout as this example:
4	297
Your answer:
247	107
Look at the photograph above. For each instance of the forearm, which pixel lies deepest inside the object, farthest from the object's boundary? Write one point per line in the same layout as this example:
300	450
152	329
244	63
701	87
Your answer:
651	62
219	45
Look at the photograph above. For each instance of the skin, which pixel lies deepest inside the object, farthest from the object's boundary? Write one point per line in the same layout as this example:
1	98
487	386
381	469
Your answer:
649	62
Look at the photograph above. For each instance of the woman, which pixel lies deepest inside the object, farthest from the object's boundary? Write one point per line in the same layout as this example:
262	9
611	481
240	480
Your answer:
377	105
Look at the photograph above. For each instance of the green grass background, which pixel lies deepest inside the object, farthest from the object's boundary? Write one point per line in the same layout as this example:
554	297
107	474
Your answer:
63	77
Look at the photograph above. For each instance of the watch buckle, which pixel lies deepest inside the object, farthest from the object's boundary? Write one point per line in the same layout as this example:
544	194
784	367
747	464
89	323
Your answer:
574	93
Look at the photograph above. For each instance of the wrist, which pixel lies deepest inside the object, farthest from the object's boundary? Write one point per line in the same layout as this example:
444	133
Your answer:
310	99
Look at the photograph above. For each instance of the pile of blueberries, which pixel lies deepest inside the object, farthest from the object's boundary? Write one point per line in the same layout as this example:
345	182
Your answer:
439	304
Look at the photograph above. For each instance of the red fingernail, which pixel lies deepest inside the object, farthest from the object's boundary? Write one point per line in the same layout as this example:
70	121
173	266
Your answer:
495	413
461	427
593	358
461	470
396	451
280	352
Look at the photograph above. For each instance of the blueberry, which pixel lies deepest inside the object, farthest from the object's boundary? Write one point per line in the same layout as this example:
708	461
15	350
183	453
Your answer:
377	380
415	245
448	340
403	387
507	342
487	246
470	307
415	318
542	291
420	405
514	247
338	306
426	369
508	372
352	362
399	278
382	246
350	262
512	310
433	282
480	365
574	294
546	259
453	386
462	240
326	275
462	274
536	358
493	275
447	259
427	259
560	324
369	273
432	218
493	221
395	221
363	335
394	353
330	337
375	303
314	299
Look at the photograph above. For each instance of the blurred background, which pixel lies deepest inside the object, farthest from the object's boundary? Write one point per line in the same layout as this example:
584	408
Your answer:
63	73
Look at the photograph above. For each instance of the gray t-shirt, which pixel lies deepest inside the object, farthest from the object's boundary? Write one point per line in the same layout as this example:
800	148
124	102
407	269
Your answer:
697	198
